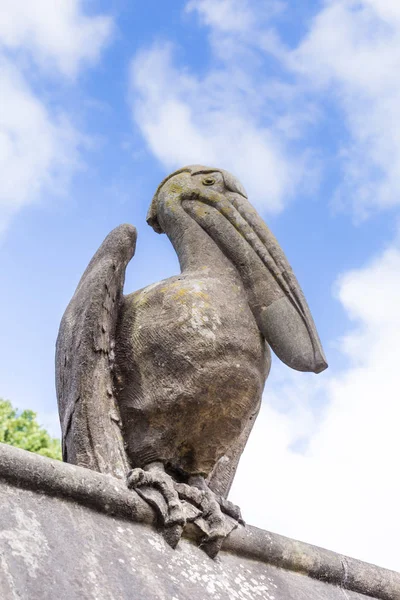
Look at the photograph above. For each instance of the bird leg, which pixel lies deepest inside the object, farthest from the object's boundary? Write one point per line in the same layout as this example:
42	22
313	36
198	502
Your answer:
155	486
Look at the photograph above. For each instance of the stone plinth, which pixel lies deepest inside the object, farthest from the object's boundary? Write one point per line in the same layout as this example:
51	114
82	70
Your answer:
67	532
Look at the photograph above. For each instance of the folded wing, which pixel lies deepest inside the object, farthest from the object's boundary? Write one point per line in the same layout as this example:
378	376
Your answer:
89	414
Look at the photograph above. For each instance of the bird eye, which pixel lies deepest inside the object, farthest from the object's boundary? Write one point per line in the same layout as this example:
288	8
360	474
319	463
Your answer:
208	181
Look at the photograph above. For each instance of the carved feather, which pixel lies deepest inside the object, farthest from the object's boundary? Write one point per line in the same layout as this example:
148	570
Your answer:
89	414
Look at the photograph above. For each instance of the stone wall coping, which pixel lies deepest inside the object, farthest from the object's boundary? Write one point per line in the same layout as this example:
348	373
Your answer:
109	495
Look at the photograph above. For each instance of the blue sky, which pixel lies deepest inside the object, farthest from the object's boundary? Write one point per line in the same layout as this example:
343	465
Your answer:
301	101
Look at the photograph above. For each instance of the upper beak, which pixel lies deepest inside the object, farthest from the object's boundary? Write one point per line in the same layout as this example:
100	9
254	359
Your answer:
274	294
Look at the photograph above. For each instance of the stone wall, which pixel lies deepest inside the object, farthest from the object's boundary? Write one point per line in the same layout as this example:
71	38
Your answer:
67	532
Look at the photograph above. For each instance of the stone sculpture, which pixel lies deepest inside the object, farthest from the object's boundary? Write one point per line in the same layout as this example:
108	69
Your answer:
163	386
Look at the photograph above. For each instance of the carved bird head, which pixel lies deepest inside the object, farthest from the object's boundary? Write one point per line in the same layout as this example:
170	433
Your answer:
217	201
194	181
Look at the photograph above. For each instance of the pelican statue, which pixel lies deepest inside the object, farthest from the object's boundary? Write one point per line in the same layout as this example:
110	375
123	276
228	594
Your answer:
163	386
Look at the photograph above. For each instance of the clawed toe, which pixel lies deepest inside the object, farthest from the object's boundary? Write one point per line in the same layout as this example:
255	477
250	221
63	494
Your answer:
135	478
231	509
172	534
211	518
157	488
212	546
176	503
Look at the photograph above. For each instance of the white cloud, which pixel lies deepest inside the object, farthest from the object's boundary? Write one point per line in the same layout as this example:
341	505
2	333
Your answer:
37	151
349	56
343	491
234	16
225	15
227	118
55	34
39	146
352	52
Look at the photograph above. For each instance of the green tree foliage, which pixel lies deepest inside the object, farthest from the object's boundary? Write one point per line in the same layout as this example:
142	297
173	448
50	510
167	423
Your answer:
21	429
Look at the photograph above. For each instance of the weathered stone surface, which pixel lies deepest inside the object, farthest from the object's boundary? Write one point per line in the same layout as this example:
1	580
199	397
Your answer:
166	382
68	532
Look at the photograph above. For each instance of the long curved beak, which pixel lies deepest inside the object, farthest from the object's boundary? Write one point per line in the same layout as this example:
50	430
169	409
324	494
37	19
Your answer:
274	294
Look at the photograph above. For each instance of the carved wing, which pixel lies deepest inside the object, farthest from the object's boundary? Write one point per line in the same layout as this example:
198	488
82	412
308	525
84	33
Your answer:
89	414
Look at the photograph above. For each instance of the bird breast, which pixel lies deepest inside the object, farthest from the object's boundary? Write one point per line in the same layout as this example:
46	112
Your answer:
188	354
